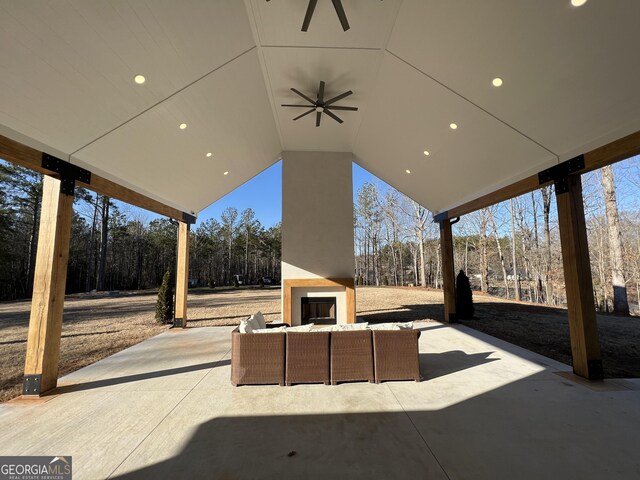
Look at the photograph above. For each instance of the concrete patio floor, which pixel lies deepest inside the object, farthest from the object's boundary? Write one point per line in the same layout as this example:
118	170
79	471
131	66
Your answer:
486	409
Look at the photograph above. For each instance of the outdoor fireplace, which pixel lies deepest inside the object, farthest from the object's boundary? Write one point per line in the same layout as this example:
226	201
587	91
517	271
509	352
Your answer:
318	310
317	238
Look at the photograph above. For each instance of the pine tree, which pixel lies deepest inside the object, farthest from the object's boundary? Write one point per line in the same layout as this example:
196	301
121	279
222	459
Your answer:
464	297
164	305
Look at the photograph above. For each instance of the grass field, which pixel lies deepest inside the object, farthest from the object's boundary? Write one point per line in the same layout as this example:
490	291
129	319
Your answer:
96	326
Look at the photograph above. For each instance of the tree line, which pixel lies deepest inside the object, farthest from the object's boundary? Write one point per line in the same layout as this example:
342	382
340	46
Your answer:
511	249
114	247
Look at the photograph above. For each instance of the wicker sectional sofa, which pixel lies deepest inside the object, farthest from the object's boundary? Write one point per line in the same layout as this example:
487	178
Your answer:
287	358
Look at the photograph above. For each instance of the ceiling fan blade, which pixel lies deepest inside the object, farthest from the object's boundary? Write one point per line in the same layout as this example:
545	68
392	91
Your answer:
351	109
337	4
319	114
303	106
308	15
303	96
321	93
305	113
339	97
335	117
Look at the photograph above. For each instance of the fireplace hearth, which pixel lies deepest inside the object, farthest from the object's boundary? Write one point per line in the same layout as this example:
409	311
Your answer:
318	310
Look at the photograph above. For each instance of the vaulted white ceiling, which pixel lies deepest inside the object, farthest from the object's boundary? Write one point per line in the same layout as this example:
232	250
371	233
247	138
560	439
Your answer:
224	67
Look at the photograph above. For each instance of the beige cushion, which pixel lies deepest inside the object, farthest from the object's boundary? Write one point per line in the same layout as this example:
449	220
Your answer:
259	318
353	326
271	330
301	328
330	328
245	326
382	326
404	326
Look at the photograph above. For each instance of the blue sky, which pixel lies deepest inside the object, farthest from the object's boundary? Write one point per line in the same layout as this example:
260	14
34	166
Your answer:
263	194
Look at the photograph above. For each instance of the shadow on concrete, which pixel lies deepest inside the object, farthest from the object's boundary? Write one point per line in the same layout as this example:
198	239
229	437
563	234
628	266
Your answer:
434	365
406	313
76	387
530	429
341	447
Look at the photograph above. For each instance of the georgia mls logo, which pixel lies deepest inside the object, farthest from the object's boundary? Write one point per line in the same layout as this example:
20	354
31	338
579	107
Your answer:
35	468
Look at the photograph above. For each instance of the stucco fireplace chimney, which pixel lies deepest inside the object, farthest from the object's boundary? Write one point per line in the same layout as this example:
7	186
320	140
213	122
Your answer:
317	232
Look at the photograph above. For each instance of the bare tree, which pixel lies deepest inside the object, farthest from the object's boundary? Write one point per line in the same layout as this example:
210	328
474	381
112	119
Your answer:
516	286
547	195
492	222
620	302
420	217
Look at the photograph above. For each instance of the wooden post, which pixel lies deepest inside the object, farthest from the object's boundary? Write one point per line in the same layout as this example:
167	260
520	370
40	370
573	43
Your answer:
45	323
583	328
182	276
448	275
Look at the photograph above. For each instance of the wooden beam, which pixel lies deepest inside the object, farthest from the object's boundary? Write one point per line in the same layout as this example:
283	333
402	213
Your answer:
182	276
28	157
290	284
16	152
613	152
516	189
583	328
448	274
45	323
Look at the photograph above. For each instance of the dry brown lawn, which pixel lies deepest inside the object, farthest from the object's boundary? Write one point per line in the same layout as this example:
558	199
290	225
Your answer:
96	326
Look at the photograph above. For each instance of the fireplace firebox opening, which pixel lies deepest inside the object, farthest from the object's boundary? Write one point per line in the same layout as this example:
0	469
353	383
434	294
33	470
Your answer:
318	310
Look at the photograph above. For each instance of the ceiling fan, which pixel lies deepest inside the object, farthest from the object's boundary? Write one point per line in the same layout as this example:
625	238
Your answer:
321	105
337	4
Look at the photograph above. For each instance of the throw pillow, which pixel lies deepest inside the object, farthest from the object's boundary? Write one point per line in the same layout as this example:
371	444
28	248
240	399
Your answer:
254	323
260	319
245	326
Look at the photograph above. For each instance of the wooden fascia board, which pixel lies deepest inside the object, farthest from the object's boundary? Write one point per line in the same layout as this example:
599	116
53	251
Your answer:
613	152
28	157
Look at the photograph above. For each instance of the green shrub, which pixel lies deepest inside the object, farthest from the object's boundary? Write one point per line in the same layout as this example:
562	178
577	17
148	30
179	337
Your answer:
164	305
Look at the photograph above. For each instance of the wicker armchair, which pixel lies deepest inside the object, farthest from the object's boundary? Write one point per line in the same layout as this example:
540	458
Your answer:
257	359
395	355
307	359
351	356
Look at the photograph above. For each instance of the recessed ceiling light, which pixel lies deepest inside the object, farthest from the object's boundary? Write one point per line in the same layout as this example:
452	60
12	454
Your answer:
139	79
183	126
497	82
578	3
408	171
209	154
226	173
453	126
426	153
